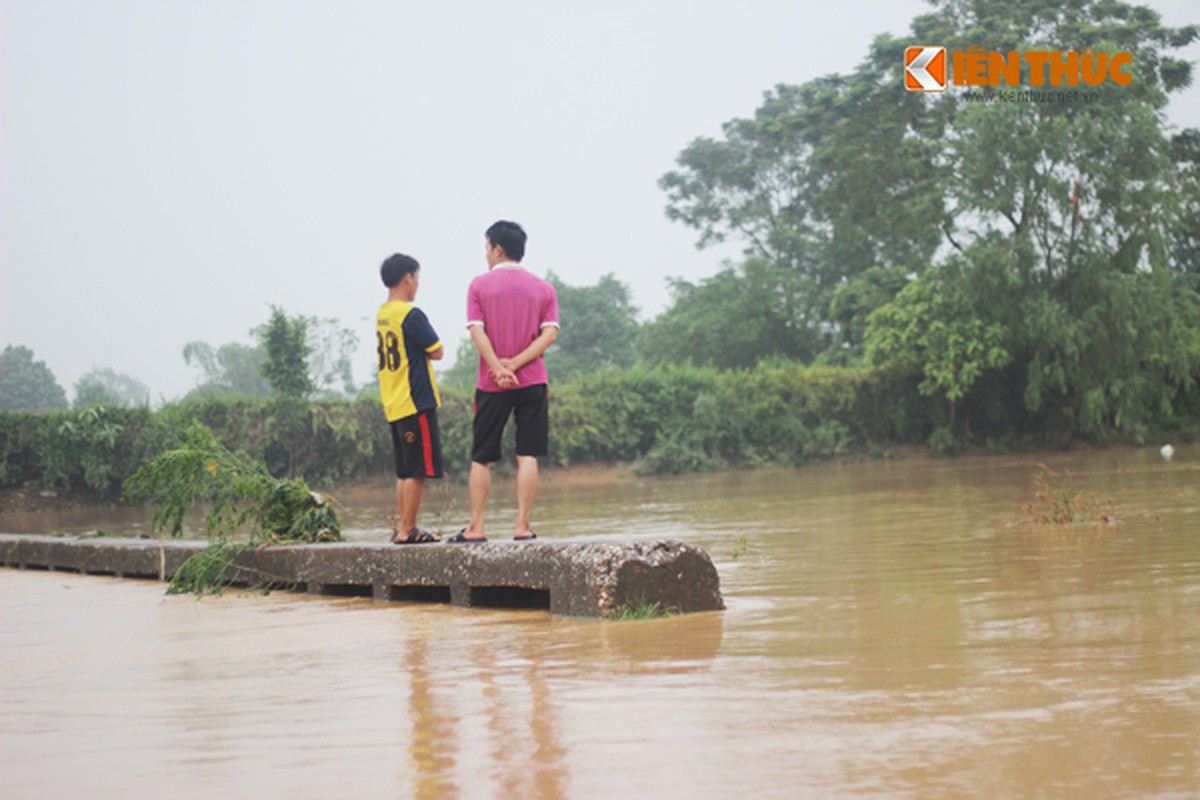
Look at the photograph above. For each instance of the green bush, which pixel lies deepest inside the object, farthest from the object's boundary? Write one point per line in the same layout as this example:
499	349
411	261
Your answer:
668	419
87	451
680	418
20	461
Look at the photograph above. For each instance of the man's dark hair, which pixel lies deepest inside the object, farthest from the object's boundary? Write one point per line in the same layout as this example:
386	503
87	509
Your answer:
396	267
510	236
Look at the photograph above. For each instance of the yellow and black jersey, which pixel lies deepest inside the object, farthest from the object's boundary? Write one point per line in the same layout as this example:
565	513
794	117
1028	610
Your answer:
404	338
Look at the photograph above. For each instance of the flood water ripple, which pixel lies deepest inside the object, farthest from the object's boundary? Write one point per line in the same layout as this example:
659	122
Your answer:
894	629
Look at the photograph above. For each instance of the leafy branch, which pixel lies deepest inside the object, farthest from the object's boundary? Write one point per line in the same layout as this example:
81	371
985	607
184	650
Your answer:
241	495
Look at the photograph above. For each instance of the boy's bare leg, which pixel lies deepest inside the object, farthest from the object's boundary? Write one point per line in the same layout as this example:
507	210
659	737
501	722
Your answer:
413	490
400	529
409	492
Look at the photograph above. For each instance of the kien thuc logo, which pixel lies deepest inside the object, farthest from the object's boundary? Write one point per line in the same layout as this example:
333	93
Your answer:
932	69
925	69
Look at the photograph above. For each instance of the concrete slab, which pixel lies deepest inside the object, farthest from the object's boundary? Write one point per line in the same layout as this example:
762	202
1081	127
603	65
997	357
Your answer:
582	578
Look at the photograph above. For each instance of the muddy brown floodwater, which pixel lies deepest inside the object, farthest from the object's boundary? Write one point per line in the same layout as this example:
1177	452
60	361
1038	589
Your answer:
895	629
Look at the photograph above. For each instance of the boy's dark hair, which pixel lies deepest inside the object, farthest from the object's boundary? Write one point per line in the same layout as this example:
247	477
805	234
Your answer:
396	267
510	236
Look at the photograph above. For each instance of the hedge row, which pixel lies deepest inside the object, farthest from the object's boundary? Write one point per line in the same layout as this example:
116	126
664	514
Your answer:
663	420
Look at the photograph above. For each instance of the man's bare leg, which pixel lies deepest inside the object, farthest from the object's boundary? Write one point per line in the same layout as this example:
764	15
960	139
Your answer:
481	486
527	481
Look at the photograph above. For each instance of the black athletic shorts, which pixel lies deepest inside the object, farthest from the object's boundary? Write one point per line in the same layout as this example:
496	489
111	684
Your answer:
417	446
531	405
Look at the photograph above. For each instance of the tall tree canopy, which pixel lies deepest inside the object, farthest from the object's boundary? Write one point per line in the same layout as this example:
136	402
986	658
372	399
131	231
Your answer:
731	320
323	352
831	184
26	384
285	339
601	327
229	369
1056	240
106	386
330	348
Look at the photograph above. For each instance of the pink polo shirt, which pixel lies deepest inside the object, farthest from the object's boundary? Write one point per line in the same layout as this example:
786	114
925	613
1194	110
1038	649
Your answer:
513	305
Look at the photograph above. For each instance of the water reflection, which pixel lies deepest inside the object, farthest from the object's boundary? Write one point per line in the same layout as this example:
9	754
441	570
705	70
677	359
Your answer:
434	737
498	701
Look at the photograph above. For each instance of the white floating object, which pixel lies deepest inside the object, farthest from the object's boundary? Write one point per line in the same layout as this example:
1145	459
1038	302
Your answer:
1167	451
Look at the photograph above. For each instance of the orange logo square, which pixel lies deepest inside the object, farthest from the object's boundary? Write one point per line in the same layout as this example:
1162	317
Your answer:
925	69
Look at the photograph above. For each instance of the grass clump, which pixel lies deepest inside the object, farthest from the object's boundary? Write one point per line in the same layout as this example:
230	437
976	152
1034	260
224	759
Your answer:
1057	502
643	610
740	546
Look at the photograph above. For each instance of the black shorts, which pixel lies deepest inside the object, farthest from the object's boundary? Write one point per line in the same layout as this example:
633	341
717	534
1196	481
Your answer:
492	409
418	446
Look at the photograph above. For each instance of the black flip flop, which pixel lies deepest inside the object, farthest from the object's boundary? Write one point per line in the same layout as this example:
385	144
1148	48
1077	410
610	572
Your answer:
462	538
528	538
417	536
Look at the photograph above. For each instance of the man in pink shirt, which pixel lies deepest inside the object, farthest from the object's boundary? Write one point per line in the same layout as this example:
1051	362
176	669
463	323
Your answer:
513	317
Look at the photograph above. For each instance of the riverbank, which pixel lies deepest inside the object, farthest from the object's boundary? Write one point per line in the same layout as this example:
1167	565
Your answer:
663	421
31	498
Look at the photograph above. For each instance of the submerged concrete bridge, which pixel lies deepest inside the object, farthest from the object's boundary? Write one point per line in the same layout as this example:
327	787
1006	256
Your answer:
582	578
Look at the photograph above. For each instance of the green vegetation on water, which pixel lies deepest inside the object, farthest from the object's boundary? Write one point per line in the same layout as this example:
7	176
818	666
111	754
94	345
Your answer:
642	611
1057	502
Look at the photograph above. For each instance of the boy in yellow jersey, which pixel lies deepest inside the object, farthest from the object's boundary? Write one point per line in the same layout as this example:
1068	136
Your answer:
407	346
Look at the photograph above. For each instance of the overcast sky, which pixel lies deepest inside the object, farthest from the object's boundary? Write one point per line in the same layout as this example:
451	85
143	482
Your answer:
169	169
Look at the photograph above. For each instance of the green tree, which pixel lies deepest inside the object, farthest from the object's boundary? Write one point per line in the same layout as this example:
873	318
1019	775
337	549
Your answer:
1185	230
106	386
1080	203
1083	213
600	330
829	181
26	384
331	348
934	327
230	369
731	320
285	340
238	368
